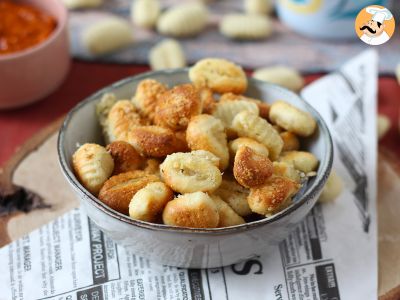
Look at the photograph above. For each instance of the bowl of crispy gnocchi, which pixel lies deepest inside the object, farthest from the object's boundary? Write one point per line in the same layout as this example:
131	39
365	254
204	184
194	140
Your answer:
197	168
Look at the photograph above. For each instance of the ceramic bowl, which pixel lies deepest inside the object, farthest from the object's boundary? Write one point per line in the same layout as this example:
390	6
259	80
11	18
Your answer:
31	74
186	247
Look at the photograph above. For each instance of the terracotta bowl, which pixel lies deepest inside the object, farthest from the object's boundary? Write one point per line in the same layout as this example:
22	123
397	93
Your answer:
186	247
29	75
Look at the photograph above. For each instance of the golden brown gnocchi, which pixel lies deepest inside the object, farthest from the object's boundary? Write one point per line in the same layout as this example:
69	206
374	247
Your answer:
176	106
247	124
154	141
118	191
206	132
290	141
122	118
292	119
194	210
250	143
227	216
273	196
125	157
203	141
149	202
234	194
92	165
226	111
187	173
250	168
147	93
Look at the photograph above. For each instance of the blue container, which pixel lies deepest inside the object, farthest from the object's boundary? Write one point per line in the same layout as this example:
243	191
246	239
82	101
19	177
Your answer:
326	19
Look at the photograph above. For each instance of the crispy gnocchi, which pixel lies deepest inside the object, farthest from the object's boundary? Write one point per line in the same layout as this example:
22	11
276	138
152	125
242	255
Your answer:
198	154
118	190
250	168
206	132
149	202
220	75
247	124
273	196
193	210
292	119
188	173
177	105
147	93
92	165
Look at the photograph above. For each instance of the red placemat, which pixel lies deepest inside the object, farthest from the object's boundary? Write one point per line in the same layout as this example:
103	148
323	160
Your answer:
85	78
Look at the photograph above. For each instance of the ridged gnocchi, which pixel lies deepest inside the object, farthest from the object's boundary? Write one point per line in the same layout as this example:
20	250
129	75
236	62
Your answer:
92	165
261	7
148	203
226	111
183	20
147	93
262	106
245	27
103	108
292	119
193	210
187	173
118	191
122	118
107	35
285	169
206	132
167	54
247	124
145	13
290	141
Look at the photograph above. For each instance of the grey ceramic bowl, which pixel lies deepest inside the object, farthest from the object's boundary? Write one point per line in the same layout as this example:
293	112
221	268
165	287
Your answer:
185	247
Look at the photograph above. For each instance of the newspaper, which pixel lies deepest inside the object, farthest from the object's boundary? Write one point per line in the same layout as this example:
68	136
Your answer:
331	255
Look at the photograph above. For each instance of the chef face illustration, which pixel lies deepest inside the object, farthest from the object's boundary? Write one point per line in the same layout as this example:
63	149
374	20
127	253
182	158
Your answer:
374	28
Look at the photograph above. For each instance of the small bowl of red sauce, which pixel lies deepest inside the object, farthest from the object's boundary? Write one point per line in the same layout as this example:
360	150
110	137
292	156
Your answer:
34	50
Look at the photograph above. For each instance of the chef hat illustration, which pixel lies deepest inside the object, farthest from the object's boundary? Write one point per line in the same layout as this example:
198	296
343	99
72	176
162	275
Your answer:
379	14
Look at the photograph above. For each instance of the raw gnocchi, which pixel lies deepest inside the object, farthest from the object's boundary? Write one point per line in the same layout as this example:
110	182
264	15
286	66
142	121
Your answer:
332	189
74	4
281	75
245	27
183	20
145	13
107	35
167	54
261	7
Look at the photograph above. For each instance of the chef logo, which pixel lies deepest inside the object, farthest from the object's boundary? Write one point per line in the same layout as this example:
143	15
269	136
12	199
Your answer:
375	25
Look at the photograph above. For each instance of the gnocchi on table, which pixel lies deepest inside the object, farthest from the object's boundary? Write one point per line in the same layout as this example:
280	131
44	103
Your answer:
199	154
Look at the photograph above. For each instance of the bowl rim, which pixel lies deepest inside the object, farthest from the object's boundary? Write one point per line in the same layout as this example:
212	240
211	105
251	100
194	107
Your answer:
61	24
310	192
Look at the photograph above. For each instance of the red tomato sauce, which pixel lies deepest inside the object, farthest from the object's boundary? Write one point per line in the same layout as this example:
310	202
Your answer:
22	26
